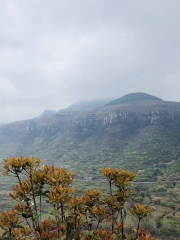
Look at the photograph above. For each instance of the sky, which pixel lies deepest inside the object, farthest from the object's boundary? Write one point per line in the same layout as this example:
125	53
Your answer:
54	53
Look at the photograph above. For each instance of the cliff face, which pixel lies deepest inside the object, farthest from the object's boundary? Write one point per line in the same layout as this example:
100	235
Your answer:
123	135
140	113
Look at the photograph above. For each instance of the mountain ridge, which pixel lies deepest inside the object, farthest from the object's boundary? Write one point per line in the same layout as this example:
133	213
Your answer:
85	105
132	107
47	112
141	136
78	106
69	137
139	96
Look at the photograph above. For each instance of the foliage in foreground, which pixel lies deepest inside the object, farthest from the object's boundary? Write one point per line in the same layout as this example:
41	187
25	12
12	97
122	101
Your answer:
91	216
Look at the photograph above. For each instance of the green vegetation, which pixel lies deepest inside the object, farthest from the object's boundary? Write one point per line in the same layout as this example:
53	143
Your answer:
165	219
92	216
142	137
133	97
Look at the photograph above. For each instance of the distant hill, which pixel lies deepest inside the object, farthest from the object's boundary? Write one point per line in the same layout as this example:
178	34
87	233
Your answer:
47	112
133	97
2	123
85	105
79	106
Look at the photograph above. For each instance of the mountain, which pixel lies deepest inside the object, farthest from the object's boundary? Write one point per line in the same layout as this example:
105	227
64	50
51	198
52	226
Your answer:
85	105
79	106
134	135
133	97
47	112
2	123
142	136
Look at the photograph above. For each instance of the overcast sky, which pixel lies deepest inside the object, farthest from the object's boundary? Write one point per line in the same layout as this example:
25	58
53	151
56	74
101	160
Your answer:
54	53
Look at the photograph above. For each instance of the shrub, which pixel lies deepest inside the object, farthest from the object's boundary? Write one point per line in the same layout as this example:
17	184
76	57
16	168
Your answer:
171	205
93	215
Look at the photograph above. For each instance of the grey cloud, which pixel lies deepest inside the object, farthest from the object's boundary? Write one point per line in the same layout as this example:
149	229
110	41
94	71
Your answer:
54	53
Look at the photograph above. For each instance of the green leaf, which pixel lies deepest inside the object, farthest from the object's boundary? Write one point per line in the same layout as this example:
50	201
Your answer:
90	232
55	213
25	215
39	193
20	222
124	212
5	234
68	220
11	238
45	195
19	226
47	191
26	199
71	234
62	238
36	217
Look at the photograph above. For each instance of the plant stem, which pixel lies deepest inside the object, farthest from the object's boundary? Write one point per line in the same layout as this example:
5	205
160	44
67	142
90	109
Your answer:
40	208
27	202
34	199
98	224
112	223
138	228
110	184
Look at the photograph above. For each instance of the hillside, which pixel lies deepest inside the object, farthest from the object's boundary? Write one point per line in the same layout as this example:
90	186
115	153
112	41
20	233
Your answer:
134	135
133	97
142	136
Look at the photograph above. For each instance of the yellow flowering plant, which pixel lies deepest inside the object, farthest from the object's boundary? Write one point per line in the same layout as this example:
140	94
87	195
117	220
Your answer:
93	215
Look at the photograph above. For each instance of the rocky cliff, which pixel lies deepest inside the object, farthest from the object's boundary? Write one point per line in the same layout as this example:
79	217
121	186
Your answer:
139	112
117	134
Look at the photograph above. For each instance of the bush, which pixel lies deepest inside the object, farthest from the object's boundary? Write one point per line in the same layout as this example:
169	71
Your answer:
171	205
93	215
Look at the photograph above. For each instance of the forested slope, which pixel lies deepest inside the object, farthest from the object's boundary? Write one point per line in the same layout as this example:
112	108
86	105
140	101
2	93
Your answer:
136	135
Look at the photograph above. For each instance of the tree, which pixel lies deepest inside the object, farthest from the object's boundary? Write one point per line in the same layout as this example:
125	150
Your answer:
71	217
146	200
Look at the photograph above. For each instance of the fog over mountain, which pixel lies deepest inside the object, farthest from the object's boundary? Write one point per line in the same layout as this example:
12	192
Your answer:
55	53
85	105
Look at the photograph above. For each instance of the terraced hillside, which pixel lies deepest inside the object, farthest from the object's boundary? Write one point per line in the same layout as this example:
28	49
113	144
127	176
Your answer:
142	136
137	135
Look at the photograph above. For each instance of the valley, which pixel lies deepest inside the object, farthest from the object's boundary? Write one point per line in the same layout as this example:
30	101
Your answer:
141	136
